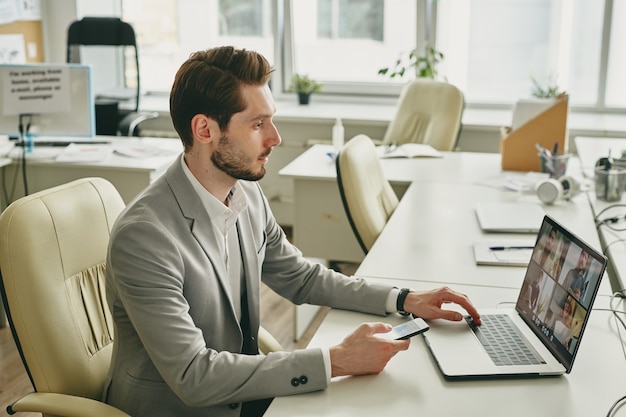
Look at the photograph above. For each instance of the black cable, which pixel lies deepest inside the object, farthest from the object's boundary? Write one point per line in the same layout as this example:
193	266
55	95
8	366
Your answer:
617	294
612	243
24	132
24	180
610	220
615	405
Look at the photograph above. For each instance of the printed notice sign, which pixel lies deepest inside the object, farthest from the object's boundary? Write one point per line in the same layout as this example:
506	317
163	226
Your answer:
35	90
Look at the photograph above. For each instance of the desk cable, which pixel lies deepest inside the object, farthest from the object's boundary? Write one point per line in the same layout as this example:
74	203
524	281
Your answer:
621	294
24	135
609	221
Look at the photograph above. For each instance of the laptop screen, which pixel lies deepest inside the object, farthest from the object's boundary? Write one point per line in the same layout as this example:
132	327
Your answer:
561	282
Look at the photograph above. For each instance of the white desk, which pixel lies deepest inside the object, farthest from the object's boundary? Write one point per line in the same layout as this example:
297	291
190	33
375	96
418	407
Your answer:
430	236
129	175
321	228
425	240
412	385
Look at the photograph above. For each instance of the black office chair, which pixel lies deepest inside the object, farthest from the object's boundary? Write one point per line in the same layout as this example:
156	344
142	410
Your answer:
109	31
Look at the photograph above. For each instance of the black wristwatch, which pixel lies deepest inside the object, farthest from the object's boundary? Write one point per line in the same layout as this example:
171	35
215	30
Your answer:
400	301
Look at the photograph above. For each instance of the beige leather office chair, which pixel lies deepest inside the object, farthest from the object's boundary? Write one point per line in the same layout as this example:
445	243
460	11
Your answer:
367	196
52	258
428	112
52	263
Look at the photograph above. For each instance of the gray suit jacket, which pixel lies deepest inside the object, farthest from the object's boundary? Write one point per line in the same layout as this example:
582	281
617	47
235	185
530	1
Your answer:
177	337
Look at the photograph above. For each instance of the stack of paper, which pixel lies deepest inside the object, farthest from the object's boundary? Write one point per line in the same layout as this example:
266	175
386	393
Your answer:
503	252
84	153
527	109
408	150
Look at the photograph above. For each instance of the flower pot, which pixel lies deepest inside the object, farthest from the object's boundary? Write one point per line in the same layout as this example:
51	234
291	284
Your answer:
303	98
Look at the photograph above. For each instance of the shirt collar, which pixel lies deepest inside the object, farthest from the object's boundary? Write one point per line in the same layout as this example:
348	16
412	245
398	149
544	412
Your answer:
223	217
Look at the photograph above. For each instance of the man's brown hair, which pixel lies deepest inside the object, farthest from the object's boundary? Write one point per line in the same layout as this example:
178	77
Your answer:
209	83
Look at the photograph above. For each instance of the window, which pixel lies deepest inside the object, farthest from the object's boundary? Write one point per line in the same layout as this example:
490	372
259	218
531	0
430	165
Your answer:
241	18
168	31
350	19
616	82
492	48
348	41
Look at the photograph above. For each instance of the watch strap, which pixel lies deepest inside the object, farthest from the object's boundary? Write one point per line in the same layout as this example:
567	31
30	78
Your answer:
400	301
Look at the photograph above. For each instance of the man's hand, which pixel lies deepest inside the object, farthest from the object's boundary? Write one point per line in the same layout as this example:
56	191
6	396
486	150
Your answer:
427	304
363	353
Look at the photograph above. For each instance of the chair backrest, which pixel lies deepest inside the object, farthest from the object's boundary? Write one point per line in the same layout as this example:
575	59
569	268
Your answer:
52	263
367	196
103	31
428	112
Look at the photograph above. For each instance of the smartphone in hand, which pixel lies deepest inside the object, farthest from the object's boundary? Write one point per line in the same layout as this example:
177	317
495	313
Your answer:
405	330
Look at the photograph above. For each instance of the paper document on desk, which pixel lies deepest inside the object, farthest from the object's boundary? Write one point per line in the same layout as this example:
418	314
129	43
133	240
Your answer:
408	150
84	153
142	151
503	252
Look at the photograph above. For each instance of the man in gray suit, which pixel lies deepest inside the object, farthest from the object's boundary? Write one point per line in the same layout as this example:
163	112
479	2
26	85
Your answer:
187	256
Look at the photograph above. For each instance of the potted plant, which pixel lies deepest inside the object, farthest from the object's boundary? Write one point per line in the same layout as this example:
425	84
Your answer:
424	65
304	86
549	89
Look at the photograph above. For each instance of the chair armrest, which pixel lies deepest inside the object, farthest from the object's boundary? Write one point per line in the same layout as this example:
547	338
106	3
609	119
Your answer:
267	342
130	122
63	405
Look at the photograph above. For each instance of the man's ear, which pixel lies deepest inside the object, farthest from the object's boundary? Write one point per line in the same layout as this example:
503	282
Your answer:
204	128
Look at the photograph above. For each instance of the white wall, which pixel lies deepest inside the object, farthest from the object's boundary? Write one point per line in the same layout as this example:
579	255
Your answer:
58	14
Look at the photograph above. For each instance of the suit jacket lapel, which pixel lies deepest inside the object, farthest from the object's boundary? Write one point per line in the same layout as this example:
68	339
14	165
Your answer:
199	225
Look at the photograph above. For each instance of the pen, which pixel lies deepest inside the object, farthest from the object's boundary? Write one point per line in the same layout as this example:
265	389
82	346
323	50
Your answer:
509	247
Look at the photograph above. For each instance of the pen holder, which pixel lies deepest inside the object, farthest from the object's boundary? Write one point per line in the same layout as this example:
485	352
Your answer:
610	183
555	165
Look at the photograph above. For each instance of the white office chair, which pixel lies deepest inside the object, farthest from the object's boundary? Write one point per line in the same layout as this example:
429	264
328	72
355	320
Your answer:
52	261
367	196
428	112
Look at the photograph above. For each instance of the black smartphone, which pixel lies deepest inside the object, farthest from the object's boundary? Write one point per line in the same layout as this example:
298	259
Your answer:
407	329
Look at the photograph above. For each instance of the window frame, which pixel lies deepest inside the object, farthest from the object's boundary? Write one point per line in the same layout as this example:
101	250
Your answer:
387	92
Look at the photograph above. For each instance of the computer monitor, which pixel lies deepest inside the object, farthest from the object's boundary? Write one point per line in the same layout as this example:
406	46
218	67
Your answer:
51	99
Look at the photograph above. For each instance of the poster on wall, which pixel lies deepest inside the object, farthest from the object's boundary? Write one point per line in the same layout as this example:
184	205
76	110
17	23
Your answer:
8	11
12	49
14	10
29	9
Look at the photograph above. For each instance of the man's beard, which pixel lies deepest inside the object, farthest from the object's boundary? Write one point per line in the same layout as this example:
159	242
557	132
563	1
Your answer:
233	162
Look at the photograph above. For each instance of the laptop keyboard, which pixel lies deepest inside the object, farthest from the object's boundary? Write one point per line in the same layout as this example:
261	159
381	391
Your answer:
503	342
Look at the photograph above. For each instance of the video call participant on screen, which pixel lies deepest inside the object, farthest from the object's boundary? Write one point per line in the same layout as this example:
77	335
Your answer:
575	281
543	255
187	257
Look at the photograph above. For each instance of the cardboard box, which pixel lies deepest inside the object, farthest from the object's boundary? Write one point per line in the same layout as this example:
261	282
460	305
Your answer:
518	147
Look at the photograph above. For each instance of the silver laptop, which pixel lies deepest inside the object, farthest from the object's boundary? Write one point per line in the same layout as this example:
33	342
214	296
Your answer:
509	217
548	321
